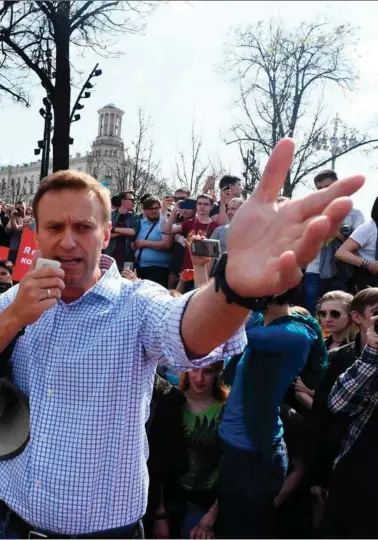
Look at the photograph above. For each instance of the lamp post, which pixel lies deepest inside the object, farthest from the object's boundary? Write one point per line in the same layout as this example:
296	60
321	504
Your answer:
46	113
335	144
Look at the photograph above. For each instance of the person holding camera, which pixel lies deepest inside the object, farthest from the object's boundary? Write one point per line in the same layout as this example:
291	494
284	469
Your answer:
323	274
14	229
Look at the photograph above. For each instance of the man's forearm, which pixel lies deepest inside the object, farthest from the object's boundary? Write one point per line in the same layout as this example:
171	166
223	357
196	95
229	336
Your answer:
209	321
9	328
124	231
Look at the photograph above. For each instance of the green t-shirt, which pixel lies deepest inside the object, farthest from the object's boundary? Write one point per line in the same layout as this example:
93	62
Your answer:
203	446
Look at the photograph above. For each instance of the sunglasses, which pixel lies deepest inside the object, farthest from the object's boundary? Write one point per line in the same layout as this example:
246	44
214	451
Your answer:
333	313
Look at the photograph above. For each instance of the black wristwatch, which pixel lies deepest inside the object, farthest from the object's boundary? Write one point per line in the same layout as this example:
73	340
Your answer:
253	304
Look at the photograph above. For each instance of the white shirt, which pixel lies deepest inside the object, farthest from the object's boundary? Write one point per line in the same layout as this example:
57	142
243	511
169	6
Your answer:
366	237
88	368
354	219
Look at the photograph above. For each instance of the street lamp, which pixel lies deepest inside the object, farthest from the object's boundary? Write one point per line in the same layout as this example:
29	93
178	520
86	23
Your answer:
46	113
335	144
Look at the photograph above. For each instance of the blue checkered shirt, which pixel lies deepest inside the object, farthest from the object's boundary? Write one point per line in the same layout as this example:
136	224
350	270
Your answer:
88	368
356	393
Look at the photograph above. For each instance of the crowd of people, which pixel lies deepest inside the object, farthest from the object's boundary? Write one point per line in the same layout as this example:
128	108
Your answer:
273	437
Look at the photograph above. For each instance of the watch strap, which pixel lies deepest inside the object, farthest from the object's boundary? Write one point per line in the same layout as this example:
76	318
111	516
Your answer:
252	304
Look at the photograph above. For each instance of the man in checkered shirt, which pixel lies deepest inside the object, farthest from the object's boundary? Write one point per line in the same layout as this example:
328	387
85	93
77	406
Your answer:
351	510
92	342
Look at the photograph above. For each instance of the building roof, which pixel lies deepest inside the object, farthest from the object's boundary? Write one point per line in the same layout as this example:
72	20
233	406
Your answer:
110	106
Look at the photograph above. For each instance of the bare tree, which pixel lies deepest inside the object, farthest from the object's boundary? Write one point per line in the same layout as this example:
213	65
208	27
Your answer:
190	169
283	77
30	31
137	168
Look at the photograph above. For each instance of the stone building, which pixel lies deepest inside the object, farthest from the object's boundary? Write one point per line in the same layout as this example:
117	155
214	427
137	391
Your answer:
105	161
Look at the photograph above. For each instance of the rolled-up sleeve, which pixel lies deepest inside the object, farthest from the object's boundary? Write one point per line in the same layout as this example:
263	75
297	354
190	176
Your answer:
161	333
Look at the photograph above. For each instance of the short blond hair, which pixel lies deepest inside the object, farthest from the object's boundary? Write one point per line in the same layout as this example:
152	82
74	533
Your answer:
76	180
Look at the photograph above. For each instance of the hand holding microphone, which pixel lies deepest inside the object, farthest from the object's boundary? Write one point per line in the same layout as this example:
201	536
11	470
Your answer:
38	291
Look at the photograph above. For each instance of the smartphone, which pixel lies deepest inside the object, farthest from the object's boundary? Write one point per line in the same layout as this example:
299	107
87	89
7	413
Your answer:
206	248
188	204
128	266
42	263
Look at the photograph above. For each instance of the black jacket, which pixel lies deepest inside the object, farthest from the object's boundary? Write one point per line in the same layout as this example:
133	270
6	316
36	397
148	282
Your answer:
328	430
4	237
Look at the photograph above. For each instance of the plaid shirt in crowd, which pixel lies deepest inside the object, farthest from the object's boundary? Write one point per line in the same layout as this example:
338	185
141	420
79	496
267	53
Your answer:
88	368
356	394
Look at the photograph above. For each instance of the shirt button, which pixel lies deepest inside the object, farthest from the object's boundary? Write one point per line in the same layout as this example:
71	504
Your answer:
50	392
37	483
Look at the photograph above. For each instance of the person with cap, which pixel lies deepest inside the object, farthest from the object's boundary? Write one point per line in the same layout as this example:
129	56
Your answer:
92	341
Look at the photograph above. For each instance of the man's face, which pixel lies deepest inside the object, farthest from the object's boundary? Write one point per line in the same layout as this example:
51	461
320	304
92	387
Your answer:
20	208
5	275
203	207
364	321
232	207
324	183
127	204
236	189
181	195
71	230
153	213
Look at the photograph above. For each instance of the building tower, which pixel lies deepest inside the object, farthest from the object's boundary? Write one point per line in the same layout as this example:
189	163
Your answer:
107	160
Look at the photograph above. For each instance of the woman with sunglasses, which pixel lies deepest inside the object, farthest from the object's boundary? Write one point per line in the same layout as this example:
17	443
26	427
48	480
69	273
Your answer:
335	319
334	316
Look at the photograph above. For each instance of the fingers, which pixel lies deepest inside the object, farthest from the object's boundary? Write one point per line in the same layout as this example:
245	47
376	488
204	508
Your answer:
314	203
312	239
49	283
275	171
336	211
288	271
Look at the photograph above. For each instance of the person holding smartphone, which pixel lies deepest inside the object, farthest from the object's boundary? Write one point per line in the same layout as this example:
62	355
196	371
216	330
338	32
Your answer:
230	188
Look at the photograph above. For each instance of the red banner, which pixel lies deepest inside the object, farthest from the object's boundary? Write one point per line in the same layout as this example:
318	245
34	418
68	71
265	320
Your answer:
25	254
4	252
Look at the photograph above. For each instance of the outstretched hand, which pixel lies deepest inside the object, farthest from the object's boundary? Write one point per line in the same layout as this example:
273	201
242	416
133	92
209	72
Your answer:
268	243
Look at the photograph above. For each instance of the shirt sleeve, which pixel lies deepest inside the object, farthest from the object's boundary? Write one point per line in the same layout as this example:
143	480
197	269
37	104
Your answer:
7	298
161	331
361	234
359	219
354	388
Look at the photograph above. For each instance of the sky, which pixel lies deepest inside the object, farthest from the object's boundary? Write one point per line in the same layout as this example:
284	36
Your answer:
171	72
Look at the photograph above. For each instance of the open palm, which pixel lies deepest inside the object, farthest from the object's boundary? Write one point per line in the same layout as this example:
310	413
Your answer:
268	243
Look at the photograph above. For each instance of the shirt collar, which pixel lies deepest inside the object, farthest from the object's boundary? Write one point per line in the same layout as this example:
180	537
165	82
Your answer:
109	285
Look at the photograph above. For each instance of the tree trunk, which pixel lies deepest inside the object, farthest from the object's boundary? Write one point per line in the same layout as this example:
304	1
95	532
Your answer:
62	93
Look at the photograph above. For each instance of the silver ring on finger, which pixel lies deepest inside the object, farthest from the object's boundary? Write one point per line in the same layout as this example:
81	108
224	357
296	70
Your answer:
48	294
